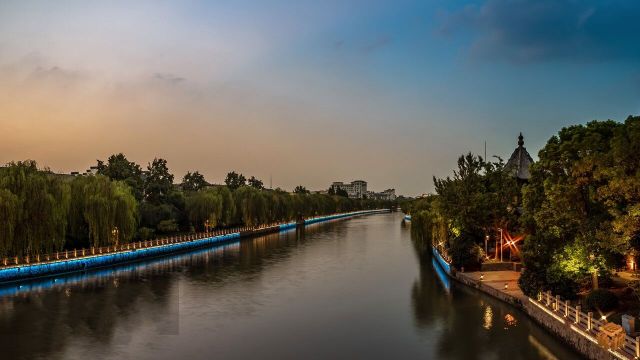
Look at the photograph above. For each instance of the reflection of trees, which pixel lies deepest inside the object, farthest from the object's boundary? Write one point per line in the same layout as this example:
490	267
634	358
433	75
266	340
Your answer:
39	324
255	254
91	307
430	301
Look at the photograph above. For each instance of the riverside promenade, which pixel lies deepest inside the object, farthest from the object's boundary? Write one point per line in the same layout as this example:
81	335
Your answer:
503	284
18	269
583	331
587	333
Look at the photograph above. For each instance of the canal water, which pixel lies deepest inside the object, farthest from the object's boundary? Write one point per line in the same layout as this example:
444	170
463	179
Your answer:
341	290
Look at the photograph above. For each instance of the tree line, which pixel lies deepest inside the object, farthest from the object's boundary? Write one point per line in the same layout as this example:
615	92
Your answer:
579	211
43	212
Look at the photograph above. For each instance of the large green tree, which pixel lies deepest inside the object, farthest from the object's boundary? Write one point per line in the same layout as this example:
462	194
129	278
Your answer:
118	167
581	205
104	211
256	183
205	207
235	180
34	205
193	181
158	181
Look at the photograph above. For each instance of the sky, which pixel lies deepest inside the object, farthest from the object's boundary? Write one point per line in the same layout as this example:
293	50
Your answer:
308	92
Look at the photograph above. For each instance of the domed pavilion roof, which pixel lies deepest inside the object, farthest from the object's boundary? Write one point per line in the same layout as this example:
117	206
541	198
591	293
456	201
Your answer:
519	162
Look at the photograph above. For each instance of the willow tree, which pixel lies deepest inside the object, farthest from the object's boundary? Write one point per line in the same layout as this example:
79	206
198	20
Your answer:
125	217
228	205
105	211
204	206
34	209
251	205
9	203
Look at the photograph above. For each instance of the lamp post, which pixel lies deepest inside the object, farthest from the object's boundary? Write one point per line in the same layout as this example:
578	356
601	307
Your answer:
500	229
594	275
116	234
486	248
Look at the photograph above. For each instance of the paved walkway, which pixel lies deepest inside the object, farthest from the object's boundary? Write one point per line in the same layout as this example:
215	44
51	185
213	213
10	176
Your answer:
497	281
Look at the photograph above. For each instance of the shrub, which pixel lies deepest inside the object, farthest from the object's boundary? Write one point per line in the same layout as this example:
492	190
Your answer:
144	233
601	299
167	226
464	252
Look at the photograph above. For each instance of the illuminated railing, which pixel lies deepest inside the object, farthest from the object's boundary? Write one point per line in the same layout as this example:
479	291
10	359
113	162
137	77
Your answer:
96	251
583	323
93	251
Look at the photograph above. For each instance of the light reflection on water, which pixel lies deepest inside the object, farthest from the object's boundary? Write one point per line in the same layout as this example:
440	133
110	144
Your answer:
350	289
488	318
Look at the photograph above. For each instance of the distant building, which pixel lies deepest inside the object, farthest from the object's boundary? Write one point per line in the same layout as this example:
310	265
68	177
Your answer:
356	189
519	162
387	195
93	170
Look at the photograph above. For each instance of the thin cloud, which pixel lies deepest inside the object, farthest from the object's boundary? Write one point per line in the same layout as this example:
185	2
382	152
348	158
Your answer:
377	44
55	75
525	31
169	78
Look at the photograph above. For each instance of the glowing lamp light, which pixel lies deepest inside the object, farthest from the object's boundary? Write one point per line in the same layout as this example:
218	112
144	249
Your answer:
604	317
481	277
506	286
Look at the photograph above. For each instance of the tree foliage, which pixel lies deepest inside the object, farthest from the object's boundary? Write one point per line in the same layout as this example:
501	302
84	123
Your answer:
480	198
342	192
158	181
205	206
104	212
582	205
118	167
43	212
255	182
193	181
34	208
235	180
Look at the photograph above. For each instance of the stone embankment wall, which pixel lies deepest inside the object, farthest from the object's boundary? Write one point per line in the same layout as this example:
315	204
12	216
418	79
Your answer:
579	342
572	335
500	295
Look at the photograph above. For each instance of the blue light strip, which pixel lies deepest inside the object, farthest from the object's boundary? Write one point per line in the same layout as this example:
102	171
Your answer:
41	284
444	279
31	271
92	262
445	265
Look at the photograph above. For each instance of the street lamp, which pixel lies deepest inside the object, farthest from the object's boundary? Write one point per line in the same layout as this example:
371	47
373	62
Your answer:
500	229
115	233
486	249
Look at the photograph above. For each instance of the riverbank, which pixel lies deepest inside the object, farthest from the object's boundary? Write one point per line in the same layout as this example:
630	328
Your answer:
86	259
575	328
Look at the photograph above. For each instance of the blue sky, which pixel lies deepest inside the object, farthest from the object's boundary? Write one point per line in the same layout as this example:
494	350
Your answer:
308	92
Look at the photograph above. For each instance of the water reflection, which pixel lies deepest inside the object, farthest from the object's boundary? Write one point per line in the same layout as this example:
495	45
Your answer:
488	318
350	289
99	307
474	326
